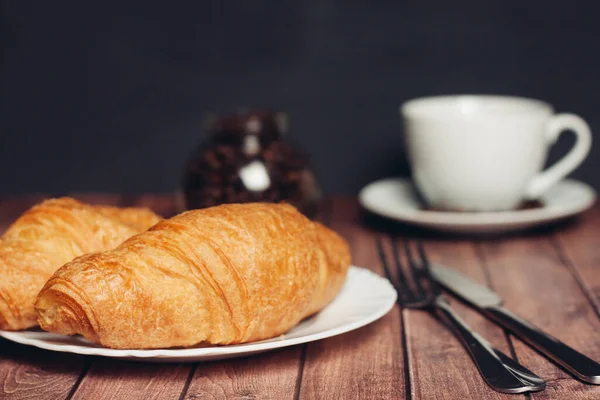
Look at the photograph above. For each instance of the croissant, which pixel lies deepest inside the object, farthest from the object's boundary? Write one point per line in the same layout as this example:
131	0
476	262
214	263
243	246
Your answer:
228	274
47	236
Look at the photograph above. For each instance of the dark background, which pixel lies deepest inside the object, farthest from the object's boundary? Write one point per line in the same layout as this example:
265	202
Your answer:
110	96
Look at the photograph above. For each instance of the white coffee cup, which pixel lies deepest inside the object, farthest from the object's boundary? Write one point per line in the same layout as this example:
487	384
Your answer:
486	153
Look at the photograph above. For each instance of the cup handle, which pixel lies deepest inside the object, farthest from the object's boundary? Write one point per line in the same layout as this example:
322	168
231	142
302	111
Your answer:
583	142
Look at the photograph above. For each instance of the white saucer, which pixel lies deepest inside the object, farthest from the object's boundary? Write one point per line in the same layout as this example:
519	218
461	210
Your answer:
395	198
364	298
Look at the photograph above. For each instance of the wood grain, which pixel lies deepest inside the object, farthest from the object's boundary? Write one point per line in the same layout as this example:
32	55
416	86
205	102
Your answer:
437	358
115	379
30	373
531	277
271	375
580	250
362	364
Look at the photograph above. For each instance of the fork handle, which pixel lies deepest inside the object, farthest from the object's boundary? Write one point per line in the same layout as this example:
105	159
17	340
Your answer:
491	368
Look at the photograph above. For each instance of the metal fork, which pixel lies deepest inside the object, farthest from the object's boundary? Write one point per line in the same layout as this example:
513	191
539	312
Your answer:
497	369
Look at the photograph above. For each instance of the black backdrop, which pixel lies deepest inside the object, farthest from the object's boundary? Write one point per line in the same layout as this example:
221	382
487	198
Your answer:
110	96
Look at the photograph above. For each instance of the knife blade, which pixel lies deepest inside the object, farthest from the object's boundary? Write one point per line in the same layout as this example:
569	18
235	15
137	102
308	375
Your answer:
490	304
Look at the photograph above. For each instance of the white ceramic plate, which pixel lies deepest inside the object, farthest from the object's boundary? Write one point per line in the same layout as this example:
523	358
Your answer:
364	298
396	198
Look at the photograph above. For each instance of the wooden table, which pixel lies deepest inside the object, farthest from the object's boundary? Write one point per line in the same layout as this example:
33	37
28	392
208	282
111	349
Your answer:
551	277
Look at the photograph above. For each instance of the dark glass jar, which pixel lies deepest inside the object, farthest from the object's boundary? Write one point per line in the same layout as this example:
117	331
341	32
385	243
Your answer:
246	159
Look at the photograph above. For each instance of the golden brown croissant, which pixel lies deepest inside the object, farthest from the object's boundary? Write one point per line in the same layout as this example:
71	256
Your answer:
47	236
228	274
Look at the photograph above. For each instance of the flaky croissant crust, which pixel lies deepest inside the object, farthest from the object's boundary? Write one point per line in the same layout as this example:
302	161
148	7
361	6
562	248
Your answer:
47	236
222	275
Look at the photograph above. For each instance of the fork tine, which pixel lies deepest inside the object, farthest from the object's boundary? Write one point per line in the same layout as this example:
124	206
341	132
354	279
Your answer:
413	296
383	257
404	294
416	270
435	287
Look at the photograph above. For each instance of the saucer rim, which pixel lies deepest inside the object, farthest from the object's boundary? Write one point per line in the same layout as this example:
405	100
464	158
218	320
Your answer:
496	218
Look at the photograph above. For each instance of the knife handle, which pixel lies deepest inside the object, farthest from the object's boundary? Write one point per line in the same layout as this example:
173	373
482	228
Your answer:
490	366
573	361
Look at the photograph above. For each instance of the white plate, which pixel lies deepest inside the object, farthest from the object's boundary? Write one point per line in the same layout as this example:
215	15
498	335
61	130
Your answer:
364	298
396	198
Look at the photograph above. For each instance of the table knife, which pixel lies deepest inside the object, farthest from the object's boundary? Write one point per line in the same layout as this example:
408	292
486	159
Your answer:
490	304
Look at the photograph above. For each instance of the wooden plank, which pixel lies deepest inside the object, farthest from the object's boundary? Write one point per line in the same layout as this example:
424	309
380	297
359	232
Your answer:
271	375
109	199
440	366
31	373
115	379
578	246
162	204
429	343
366	363
531	277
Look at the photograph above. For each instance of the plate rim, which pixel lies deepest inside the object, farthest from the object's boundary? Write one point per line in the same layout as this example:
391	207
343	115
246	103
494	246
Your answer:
480	219
215	351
